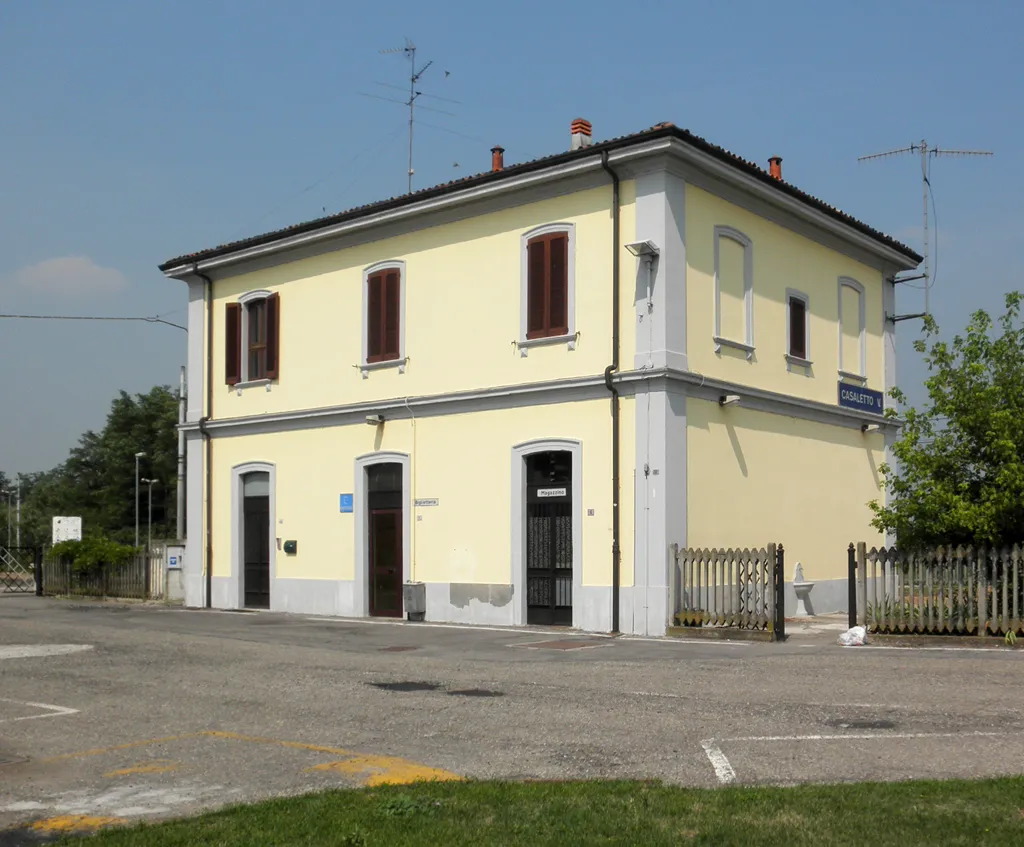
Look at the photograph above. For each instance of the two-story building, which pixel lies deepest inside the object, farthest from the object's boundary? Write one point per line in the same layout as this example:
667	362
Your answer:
520	388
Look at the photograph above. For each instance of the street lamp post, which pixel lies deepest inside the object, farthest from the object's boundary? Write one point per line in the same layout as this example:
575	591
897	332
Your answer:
149	527
137	457
7	494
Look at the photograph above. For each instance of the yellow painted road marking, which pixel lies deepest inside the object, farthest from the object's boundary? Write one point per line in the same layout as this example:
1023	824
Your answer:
154	766
74	823
379	770
386	770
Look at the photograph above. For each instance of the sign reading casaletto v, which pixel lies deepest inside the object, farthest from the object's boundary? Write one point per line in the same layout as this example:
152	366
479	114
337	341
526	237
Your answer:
861	399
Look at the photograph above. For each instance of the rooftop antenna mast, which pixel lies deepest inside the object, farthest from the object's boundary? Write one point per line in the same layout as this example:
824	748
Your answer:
414	76
926	154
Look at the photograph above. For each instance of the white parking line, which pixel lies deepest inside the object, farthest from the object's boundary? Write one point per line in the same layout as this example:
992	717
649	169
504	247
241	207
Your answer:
53	711
723	770
1003	650
30	651
710	642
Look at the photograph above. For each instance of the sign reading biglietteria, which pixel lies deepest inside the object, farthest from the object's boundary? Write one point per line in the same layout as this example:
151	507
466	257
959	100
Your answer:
861	399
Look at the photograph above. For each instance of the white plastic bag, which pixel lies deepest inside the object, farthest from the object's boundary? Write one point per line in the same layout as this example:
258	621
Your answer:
854	637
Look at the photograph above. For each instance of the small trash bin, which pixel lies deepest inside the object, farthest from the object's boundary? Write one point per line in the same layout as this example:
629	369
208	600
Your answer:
414	597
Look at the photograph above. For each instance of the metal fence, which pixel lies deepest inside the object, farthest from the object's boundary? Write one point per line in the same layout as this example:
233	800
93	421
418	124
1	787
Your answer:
141	578
961	590
18	569
728	588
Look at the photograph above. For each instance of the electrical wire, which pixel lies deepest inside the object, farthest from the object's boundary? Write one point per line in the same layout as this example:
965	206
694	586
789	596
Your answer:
156	319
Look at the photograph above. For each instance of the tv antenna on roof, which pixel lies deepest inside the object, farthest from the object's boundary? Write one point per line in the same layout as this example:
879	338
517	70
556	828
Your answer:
415	73
927	153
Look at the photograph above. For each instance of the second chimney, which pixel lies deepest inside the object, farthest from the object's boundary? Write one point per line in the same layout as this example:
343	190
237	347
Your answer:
497	158
775	166
582	134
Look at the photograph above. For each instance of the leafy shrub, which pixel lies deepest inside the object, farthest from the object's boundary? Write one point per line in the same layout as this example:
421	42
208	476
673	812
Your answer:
90	553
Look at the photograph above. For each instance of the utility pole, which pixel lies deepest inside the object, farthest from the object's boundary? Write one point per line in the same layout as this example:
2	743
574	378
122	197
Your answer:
138	456
181	457
926	154
17	541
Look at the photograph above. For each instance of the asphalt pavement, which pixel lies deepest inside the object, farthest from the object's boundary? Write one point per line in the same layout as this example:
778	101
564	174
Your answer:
113	712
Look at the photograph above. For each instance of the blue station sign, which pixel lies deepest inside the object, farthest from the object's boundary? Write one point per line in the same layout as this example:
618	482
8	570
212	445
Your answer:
861	399
347	502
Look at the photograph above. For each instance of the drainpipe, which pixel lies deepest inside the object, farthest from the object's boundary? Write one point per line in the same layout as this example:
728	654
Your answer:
608	371
208	458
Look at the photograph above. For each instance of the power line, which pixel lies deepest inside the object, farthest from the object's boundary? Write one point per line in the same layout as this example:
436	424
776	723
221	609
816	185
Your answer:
153	320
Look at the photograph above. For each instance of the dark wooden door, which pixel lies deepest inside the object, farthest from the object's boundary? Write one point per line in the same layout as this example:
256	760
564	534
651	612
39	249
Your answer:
386	562
549	550
256	557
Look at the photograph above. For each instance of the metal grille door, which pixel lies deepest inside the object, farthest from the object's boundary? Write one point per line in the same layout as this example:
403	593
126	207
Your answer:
549	533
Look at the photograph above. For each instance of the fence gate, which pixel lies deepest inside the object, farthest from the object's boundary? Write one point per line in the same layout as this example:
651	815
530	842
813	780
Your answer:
742	589
18	569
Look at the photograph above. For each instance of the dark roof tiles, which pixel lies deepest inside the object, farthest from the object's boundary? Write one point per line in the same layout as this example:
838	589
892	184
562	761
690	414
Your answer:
657	131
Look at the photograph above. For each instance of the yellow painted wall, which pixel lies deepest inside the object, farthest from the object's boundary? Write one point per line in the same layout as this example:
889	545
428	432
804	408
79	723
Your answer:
757	478
463	460
781	259
468	269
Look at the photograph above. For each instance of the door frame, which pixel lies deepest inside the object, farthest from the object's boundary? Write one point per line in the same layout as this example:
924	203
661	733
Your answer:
361	510
518	497
236	582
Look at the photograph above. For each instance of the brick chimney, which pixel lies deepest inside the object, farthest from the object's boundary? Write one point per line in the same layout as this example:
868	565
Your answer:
497	157
775	166
582	134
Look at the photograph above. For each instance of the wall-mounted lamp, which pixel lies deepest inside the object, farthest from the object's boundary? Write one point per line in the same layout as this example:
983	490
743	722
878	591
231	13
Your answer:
643	249
374	420
728	399
866	428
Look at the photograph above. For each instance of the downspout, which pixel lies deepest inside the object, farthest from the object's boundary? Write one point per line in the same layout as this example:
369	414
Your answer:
208	446
610	385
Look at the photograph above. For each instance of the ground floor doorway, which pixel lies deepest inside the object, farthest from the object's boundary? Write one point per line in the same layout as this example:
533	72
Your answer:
256	539
549	534
384	542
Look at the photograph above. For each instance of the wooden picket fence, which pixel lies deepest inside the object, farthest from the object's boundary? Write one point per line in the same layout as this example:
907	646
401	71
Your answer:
955	590
739	588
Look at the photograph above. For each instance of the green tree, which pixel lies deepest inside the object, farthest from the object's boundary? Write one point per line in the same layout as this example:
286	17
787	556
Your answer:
959	471
97	482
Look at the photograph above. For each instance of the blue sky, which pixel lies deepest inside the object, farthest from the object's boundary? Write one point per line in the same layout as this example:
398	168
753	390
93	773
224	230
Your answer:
132	132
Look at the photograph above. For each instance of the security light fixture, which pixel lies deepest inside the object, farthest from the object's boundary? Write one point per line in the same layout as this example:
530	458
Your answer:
866	428
643	249
374	420
728	399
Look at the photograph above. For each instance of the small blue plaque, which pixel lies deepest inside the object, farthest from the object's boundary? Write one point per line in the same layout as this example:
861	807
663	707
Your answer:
346	502
861	399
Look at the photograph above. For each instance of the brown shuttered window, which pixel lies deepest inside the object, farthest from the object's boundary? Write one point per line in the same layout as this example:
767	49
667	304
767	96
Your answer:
797	328
383	318
547	268
273	357
233	343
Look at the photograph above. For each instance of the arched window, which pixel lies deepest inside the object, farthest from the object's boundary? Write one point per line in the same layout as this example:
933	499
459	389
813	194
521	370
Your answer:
852	330
734	290
252	336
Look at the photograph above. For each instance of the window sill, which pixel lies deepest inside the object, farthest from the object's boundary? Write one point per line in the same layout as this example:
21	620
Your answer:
858	378
798	360
735	345
366	367
524	344
239	387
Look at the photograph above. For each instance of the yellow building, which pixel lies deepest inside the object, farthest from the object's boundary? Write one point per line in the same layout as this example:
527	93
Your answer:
510	394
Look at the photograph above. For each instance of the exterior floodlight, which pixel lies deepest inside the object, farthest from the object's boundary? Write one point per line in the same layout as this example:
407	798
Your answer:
374	420
643	249
866	428
728	399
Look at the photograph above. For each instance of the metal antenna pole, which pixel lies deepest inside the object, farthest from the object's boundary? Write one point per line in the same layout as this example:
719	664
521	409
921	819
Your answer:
926	152
414	77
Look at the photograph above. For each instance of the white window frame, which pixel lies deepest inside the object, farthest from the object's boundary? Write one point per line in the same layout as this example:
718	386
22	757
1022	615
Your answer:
245	301
794	294
569	339
747	344
845	370
400	363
